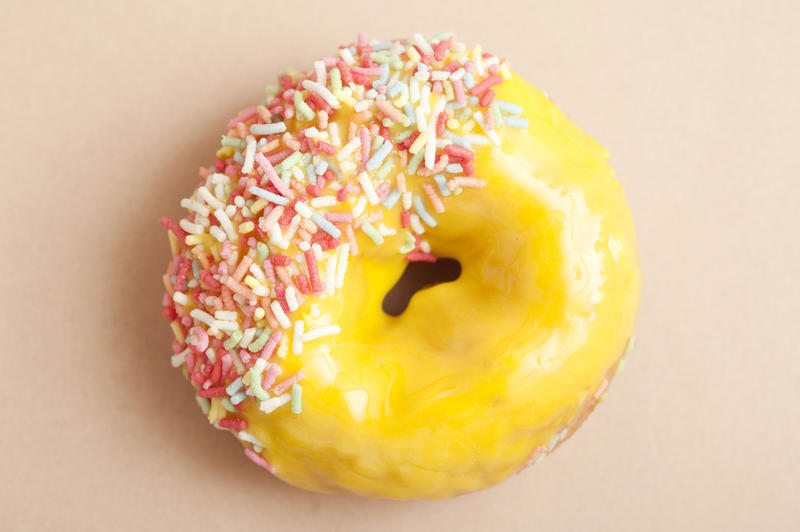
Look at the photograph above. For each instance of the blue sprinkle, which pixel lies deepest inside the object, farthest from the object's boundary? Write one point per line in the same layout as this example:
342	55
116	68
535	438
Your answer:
513	121
384	73
238	398
312	175
333	166
234	387
322	165
454	168
391	199
469	81
196	269
325	225
261	142
508	107
237	156
441	182
423	212
269	196
461	141
174	278
376	160
455	105
409	111
473	100
422	67
394	89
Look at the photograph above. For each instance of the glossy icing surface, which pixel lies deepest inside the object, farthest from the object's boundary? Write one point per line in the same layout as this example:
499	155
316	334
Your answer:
456	393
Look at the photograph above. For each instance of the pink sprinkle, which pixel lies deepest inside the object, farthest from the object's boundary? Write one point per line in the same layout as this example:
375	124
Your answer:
405	219
219	391
201	337
458	153
266	222
339	217
270	375
441	122
239	288
242	117
362	39
258	460
437	87
401	182
364	135
225	251
420	256
269	171
280	295
468	182
233	423
329	61
244	264
279	156
313	273
484	85
173	226
351	239
539	451
284	275
280	260
302	284
436	201
494	69
373	71
487	98
269	271
389	110
326	148
383	190
286	384
272	343
458	89
264	114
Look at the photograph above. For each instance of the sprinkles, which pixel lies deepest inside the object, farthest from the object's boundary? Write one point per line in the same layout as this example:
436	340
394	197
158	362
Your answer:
352	150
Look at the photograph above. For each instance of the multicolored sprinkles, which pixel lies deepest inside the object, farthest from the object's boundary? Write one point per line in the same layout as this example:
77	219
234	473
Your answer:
377	130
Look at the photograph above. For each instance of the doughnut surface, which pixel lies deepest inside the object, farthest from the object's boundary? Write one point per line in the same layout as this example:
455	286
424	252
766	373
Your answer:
478	377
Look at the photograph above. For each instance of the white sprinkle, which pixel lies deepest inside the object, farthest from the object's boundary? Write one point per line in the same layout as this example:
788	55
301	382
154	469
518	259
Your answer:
304	246
225	325
249	155
218	233
422	123
407	199
303	210
345	54
363	105
333	129
226	224
315	313
413	90
330	274
177	360
219	179
297	339
230	210
276	237
416	225
283	320
323	91
180	298
293	225
291	298
268	129
327	330
369	189
361	204
386	231
458	74
323	201
319	70
226	315
439	75
430	152
195	206
247	338
191	227
261	291
317	251
425	99
257	272
341	267
209	198
269	405
425	246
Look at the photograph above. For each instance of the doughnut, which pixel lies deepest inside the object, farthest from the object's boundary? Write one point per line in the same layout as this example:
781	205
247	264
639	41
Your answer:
388	156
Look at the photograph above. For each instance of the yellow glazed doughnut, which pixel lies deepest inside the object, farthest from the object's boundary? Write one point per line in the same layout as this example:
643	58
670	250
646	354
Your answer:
388	153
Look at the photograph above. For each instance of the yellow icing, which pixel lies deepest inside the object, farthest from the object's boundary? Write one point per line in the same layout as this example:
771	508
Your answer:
456	393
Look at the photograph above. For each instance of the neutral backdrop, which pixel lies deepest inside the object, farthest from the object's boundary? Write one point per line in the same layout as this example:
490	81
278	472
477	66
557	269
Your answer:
108	108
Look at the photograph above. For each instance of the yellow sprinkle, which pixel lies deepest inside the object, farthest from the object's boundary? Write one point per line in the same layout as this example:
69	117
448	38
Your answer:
246	378
173	242
413	54
217	411
283	347
252	282
468	126
504	71
176	330
259	314
348	100
400	101
246	227
225	152
448	89
257	205
193	240
421	140
452	123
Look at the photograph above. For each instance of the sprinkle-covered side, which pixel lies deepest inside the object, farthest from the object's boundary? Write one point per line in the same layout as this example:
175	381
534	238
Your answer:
331	153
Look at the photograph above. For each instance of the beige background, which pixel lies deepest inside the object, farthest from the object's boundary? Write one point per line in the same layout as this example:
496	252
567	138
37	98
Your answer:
107	111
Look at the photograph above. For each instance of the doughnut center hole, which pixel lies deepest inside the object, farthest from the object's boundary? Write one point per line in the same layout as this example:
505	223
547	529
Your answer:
418	276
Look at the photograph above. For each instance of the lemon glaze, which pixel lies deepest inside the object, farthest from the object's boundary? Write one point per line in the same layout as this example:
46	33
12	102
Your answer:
457	392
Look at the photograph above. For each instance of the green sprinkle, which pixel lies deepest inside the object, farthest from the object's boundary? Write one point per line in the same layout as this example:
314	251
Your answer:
231	342
258	344
255	384
403	135
377	143
286	177
297	398
620	366
371	232
448	90
387	122
458	191
205	404
301	108
631	344
385	168
408	247
272	90
382	57
336	79
464	114
262	251
227	405
287	163
498	116
443	36
413	164
233	142
396	64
